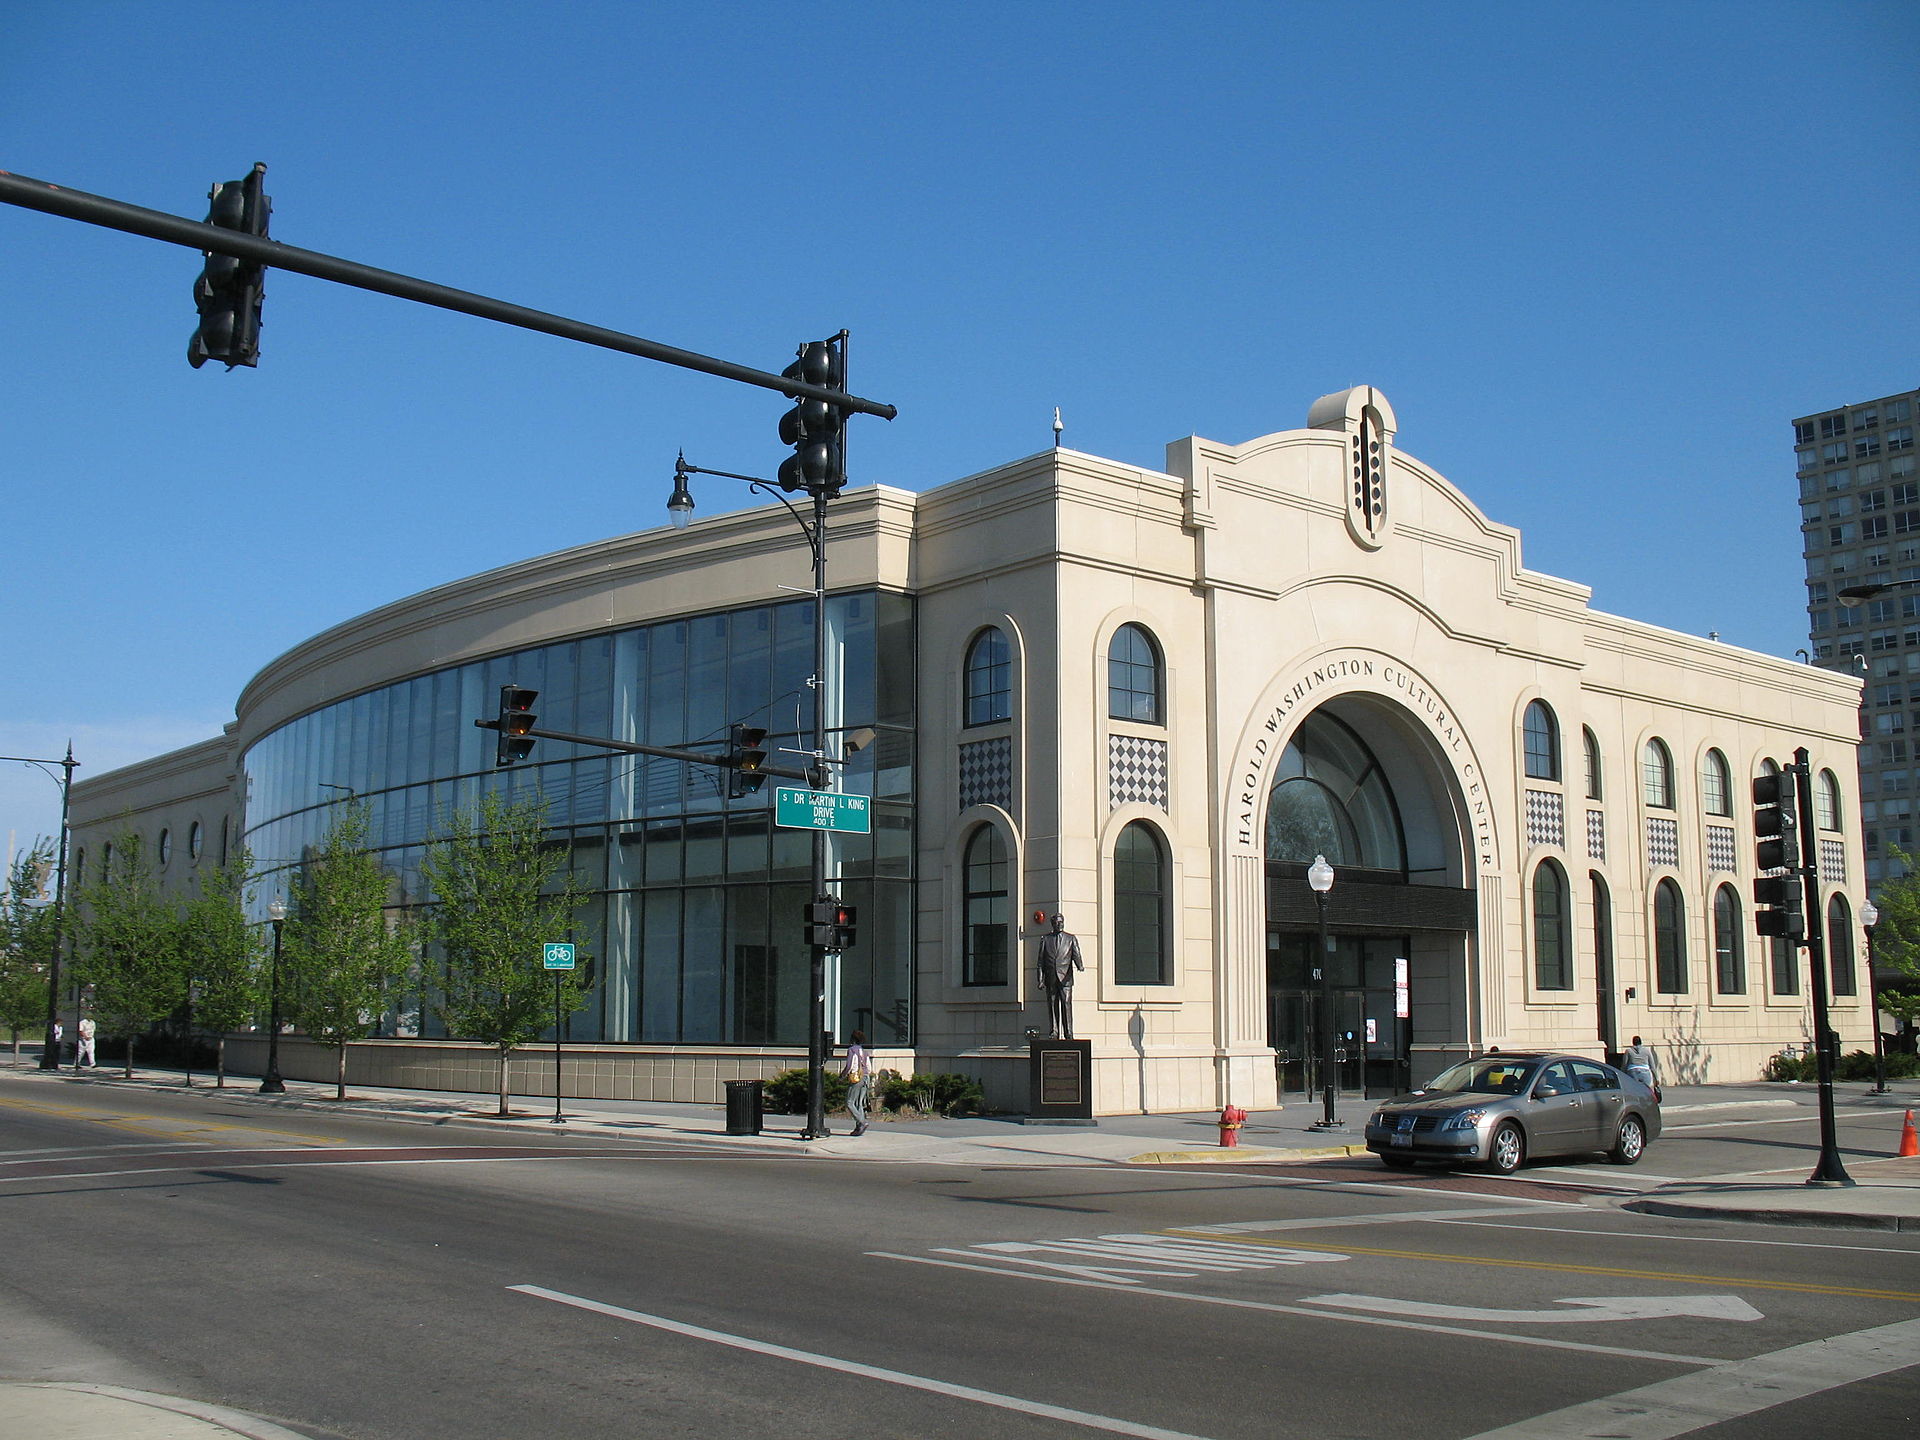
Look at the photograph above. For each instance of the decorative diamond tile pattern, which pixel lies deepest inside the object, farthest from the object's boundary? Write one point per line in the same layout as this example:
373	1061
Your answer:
1663	843
1833	861
986	773
1546	818
1720	849
1136	771
1597	835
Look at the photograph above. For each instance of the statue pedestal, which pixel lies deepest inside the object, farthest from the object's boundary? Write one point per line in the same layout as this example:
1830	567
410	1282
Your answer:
1060	1083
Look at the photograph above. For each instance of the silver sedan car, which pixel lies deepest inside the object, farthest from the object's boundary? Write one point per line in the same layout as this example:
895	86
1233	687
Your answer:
1500	1110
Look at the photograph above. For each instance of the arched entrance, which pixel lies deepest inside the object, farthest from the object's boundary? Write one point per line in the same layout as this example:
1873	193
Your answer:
1361	785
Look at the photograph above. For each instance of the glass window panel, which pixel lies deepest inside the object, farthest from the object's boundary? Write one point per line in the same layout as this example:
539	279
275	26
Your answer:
704	856
989	679
985	909
660	968
702	972
1552	969
1140	908
854	623
750	668
1542	733
753	979
664	852
1669	940
792	660
707	679
747	845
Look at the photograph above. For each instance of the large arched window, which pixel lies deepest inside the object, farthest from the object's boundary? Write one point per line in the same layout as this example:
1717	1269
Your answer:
1729	946
1669	939
984	952
1542	735
1134	685
1786	966
1656	775
1140	908
1716	784
1331	798
1552	935
989	678
1840	946
1826	801
1595	780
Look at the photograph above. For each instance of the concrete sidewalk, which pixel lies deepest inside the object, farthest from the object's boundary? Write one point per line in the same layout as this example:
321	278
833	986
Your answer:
1886	1195
107	1412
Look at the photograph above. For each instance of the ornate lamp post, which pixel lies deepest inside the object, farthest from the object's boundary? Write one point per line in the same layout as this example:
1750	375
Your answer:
1870	917
1320	879
271	1083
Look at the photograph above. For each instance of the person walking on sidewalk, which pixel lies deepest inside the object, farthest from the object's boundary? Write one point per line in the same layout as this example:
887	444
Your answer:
1641	1063
83	1053
859	1071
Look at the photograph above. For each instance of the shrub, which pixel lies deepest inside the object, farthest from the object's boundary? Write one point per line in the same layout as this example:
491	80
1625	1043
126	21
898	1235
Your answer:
945	1094
786	1093
1792	1067
1854	1065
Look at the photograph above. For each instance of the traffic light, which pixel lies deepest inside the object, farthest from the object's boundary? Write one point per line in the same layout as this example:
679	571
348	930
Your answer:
228	292
1779	898
516	719
813	427
746	753
830	925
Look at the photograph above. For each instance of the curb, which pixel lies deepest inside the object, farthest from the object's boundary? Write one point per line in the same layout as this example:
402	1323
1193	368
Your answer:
1246	1155
1820	1219
234	1422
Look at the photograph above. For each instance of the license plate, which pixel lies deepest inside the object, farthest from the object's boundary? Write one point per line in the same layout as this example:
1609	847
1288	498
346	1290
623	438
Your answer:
1398	1139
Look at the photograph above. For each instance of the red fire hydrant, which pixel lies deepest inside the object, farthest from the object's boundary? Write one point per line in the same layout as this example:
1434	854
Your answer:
1231	1119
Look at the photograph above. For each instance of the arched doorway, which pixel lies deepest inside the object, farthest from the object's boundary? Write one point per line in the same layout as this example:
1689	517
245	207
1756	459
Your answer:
1360	786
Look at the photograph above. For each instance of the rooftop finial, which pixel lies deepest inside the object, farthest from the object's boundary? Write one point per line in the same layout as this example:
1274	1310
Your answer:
1057	427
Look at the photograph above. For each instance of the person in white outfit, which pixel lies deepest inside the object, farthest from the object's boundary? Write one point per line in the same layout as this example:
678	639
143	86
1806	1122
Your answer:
83	1054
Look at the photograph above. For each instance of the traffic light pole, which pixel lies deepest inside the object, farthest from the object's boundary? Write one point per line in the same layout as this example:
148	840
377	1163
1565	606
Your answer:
1828	1171
51	199
817	952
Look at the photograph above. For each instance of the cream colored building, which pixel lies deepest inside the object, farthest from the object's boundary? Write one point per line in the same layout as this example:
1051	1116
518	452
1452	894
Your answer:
1142	699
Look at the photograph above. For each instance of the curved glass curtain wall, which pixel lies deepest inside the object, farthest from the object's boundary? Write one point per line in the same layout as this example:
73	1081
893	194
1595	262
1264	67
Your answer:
695	920
1331	798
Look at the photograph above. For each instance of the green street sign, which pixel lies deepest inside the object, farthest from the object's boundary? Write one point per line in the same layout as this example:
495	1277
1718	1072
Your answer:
822	810
558	954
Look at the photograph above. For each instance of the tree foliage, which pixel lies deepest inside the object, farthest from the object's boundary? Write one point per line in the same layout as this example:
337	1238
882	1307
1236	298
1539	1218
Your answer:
503	889
127	944
343	958
221	951
26	941
1896	938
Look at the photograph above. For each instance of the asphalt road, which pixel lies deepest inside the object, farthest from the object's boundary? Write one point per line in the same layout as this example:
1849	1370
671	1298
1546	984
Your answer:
353	1277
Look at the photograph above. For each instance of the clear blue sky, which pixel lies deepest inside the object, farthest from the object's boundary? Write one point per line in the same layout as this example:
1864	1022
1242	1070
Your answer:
1597	256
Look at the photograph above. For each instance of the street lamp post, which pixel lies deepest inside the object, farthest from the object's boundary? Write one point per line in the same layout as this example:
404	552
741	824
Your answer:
1320	878
680	511
271	1083
50	1047
1870	917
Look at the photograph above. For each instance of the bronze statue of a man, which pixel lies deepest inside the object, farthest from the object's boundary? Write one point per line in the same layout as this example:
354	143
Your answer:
1059	958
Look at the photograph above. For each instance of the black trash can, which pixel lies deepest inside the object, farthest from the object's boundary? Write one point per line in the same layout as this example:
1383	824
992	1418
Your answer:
745	1106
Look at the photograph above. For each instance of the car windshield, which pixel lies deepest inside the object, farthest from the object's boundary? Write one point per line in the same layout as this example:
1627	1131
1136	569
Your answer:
1488	1076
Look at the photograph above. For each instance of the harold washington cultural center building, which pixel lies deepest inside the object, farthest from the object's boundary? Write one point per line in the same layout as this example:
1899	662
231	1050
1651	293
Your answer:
1145	700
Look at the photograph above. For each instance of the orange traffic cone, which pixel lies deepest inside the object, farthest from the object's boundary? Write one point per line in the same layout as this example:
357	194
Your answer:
1909	1142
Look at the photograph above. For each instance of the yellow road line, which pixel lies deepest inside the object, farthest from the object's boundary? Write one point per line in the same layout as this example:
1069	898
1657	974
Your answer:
156	1126
1292	1244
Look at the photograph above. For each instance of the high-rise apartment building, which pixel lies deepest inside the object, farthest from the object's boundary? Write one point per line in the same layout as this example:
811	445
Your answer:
1860	516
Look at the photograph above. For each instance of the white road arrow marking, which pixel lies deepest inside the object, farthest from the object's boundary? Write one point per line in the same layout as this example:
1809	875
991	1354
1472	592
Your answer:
1599	1307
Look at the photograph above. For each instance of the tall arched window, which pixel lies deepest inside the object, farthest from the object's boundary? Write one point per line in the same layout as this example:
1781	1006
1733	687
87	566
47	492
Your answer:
989	678
1330	797
984	957
1841	945
1134	686
1542	734
1602	939
1140	908
1729	946
165	845
1595	781
1669	939
1826	801
79	868
1552	937
1656	775
1716	784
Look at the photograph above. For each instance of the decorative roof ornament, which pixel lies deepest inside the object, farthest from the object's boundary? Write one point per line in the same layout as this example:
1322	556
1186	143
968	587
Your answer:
1363	415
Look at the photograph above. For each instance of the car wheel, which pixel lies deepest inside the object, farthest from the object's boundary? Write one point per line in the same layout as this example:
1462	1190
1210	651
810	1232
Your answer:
1507	1149
1631	1143
1397	1162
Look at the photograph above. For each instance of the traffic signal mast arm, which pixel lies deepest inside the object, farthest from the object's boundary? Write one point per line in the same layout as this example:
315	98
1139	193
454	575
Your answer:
53	199
815	777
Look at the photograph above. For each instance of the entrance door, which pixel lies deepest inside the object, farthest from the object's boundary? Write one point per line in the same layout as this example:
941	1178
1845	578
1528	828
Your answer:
1372	1050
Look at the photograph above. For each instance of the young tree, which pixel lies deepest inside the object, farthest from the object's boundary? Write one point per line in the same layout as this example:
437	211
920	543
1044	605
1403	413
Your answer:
26	942
502	890
221	952
128	946
342	958
1896	939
